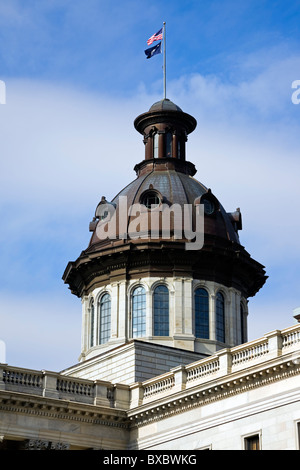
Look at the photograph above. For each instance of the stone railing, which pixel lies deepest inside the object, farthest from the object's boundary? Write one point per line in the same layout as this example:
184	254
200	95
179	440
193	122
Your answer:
54	385
222	363
226	361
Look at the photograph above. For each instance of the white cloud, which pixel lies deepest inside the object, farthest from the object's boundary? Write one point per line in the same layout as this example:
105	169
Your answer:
62	149
58	146
40	331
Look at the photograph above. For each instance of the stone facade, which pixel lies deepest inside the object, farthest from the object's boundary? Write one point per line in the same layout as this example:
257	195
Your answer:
181	313
237	395
164	361
132	362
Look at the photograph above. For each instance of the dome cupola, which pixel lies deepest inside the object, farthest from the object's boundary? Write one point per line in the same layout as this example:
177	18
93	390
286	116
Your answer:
141	277
165	128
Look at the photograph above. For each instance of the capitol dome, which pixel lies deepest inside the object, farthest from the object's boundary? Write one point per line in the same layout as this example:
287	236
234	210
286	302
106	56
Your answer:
204	289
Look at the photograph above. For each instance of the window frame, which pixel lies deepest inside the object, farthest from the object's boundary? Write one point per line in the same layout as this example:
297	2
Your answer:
141	313
155	144
247	440
165	312
168	144
198	316
104	320
220	325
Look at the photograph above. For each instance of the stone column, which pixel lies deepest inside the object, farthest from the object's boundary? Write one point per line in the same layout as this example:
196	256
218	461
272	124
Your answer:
149	309
233	330
122	310
148	147
212	317
114	311
161	138
187	307
178	314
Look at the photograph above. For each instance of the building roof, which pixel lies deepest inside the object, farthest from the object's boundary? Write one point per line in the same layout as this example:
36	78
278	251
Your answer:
168	180
165	105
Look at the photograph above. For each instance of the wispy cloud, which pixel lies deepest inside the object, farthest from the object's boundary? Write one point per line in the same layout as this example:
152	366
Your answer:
62	148
30	332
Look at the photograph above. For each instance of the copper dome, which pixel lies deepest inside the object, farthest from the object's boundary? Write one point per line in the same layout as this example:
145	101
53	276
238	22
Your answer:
166	177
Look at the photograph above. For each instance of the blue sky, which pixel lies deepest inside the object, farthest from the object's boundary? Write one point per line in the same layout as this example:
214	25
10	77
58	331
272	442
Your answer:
76	77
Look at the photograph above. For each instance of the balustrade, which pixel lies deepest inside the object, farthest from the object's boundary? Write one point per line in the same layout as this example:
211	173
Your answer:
102	393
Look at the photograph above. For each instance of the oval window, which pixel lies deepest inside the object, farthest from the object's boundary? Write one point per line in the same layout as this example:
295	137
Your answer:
150	199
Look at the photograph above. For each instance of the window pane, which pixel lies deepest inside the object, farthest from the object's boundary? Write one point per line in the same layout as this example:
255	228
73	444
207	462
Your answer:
220	318
201	314
138	312
161	311
150	199
155	146
252	442
178	150
105	318
168	144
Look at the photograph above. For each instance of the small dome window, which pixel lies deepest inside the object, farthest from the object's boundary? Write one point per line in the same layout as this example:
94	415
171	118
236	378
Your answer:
168	145
210	202
155	145
150	199
209	206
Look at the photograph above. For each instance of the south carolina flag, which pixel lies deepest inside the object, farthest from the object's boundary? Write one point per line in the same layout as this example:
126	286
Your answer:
153	50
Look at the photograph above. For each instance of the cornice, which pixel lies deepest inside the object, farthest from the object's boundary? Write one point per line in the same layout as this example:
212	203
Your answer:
218	260
231	385
63	410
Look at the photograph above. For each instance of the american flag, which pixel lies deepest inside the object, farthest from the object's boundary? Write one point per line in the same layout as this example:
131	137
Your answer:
155	37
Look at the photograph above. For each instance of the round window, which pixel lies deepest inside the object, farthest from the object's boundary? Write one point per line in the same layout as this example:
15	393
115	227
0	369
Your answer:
209	206
150	199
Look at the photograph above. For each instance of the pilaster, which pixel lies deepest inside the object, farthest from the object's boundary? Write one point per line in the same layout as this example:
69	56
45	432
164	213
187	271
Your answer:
114	310
212	317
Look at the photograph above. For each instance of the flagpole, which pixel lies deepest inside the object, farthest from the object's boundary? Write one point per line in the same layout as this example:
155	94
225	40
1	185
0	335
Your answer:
164	66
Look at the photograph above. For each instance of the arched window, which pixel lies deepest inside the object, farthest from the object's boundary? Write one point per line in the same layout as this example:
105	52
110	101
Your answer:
161	311
155	146
138	312
92	322
178	149
201	314
220	317
104	318
168	144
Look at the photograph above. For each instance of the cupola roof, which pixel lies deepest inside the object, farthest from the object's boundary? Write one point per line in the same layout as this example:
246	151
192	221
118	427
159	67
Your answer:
165	105
165	178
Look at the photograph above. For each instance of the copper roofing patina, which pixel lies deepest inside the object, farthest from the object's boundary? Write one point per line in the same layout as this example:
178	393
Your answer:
165	105
169	177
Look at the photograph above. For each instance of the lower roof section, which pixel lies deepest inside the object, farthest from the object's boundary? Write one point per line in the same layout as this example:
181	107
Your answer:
134	361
